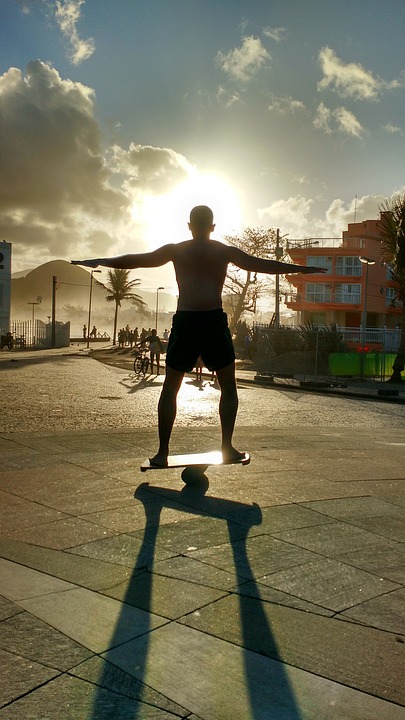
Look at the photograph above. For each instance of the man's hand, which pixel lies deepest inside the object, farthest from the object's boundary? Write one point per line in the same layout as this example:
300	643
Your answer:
87	263
312	269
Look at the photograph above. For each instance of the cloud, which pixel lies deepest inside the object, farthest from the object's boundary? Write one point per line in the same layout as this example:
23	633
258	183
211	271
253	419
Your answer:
61	193
392	129
347	122
285	105
148	168
349	80
244	62
338	216
228	98
53	181
322	118
341	119
277	33
291	213
302	217
50	144
300	179
67	15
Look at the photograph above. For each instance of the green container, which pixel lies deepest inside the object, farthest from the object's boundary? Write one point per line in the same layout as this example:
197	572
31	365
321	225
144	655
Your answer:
385	363
344	364
349	364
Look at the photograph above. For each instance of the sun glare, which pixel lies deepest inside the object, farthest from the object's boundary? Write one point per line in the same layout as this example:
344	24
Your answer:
165	217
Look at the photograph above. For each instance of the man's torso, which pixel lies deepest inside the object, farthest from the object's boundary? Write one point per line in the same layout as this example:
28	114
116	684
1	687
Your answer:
200	267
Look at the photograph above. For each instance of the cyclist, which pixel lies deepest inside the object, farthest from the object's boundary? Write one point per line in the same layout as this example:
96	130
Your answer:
155	347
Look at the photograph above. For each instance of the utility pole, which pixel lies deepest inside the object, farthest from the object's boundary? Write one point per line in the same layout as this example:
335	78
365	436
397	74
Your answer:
91	290
53	334
366	261
157	307
279	255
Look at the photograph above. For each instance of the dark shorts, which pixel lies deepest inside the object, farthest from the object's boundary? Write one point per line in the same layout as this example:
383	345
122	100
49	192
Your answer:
196	333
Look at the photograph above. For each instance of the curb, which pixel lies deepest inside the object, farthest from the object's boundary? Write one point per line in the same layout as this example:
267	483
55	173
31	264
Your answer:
326	388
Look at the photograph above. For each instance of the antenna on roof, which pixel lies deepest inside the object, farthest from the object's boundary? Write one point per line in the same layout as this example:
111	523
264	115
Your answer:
355	208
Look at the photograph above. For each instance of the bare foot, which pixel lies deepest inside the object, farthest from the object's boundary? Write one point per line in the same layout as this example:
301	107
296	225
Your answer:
231	455
159	460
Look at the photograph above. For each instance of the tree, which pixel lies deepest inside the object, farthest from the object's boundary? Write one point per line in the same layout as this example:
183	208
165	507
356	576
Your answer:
244	289
121	288
392	233
77	313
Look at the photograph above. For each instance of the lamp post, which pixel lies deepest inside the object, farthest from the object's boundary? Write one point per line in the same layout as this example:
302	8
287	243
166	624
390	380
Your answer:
157	307
278	251
366	261
37	302
91	290
53	331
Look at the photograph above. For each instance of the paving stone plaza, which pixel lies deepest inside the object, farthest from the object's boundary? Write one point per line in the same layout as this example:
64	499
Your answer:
273	591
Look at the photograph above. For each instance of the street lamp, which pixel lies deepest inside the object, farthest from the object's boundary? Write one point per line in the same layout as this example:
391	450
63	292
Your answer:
37	302
366	261
91	290
278	251
157	307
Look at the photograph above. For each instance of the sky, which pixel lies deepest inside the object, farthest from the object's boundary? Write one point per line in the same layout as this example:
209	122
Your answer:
117	116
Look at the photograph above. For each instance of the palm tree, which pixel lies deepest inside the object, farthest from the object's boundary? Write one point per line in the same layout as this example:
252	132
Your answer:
392	233
120	288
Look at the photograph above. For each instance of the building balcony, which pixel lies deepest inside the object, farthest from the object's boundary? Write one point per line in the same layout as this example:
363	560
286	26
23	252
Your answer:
355	243
298	300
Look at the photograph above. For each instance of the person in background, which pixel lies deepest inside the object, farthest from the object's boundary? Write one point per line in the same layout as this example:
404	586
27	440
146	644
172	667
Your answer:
155	347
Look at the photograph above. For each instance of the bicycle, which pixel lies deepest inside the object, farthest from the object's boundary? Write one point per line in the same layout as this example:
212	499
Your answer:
7	341
141	362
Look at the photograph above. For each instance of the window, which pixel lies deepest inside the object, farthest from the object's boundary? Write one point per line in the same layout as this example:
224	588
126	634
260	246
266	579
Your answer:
348	293
318	292
391	298
320	261
348	265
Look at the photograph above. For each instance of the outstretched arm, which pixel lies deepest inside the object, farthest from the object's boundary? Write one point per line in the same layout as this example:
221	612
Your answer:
271	267
156	258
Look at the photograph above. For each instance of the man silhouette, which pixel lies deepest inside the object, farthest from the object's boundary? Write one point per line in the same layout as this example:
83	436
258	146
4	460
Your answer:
200	325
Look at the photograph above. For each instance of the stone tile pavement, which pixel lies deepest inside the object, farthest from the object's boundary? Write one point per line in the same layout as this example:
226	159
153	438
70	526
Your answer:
271	591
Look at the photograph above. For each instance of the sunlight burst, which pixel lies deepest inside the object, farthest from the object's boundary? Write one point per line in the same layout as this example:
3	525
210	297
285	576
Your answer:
165	217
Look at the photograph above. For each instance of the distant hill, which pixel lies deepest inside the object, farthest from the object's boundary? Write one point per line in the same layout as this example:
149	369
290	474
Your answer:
73	284
72	297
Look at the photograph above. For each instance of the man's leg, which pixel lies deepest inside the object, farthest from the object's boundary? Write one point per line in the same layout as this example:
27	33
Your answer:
167	408
228	407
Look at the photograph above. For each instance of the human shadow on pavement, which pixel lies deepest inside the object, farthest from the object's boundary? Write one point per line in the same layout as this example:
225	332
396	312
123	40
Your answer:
132	383
240	518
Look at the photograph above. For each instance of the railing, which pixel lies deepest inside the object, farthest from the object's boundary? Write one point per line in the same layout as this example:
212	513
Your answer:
373	338
38	334
356	242
336	297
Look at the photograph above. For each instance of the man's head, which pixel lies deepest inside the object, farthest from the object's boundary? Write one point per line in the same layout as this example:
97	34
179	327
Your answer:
201	220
